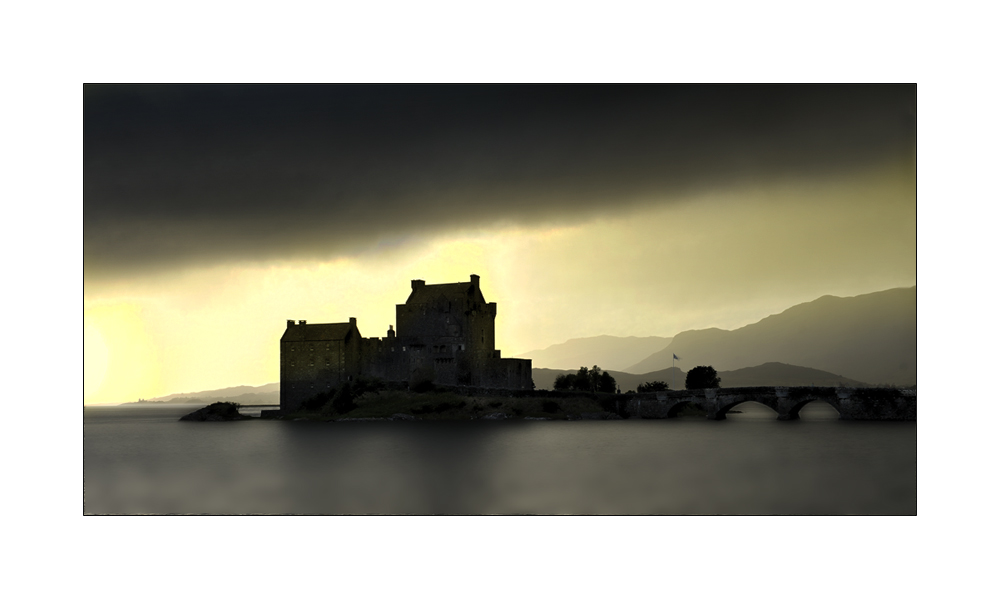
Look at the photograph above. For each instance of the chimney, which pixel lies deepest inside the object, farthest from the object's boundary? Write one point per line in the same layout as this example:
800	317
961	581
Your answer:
302	322
353	321
475	280
291	323
416	283
391	334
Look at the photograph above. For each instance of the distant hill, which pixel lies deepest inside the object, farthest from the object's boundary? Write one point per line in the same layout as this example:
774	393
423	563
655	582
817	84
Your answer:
263	395
774	374
606	351
870	338
771	374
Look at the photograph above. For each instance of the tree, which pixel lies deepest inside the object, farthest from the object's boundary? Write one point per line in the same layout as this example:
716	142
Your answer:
564	382
652	386
586	379
607	383
702	377
595	378
582	380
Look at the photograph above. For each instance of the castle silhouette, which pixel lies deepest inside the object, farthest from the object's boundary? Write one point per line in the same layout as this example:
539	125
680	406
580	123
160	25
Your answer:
444	334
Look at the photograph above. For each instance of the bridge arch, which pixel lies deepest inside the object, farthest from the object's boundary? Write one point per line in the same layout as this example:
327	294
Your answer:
729	405
793	412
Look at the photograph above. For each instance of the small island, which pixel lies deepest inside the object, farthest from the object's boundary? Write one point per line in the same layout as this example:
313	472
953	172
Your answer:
220	411
375	399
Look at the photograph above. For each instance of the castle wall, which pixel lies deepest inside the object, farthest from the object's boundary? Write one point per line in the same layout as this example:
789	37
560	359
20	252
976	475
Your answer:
310	367
508	373
445	334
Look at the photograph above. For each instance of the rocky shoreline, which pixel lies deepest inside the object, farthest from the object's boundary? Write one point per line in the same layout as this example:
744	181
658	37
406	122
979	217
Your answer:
221	411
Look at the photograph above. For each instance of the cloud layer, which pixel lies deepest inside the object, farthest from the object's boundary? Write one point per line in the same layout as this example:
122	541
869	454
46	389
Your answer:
182	175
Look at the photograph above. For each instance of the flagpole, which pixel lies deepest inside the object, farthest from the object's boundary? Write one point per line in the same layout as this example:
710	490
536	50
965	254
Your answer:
673	375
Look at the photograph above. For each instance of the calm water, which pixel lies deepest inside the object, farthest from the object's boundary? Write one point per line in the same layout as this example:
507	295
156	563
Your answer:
142	460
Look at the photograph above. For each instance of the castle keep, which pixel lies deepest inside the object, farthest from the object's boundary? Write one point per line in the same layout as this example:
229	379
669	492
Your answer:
444	334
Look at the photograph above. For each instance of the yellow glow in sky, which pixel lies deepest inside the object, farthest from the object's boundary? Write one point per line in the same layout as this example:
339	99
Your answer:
724	259
95	360
120	358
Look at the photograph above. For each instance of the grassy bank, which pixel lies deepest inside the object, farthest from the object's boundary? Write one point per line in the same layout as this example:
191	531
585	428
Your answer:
446	405
452	406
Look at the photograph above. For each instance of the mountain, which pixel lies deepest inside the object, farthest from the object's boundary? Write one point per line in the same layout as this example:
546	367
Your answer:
870	338
243	394
775	374
605	351
771	374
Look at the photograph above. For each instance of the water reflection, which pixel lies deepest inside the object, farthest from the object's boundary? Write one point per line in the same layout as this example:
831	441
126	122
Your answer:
144	461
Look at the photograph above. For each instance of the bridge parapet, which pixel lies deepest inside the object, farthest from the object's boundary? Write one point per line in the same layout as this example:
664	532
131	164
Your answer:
850	403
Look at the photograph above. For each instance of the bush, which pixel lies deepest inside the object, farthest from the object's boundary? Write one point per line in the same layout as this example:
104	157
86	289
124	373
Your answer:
423	386
441	407
652	386
564	382
342	402
318	401
614	406
444	406
550	407
368	385
586	379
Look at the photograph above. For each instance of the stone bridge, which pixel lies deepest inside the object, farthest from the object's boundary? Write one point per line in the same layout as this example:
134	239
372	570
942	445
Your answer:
850	403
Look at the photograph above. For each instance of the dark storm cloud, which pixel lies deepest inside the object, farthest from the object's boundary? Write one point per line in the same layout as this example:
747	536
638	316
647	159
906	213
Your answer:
182	174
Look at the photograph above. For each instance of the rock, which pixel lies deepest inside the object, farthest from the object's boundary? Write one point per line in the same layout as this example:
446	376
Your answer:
220	411
535	418
592	416
495	416
403	417
359	419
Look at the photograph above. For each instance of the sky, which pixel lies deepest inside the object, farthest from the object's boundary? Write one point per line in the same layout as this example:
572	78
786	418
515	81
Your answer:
212	214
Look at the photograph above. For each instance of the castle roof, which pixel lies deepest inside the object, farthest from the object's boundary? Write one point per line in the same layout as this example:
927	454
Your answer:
318	332
424	294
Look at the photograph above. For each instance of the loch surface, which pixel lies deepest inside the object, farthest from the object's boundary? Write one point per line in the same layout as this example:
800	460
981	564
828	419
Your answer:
142	460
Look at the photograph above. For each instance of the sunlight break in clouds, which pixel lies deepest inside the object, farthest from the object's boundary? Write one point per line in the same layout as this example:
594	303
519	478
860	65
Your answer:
721	259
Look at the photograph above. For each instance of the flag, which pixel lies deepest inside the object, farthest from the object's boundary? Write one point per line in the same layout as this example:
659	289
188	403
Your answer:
675	357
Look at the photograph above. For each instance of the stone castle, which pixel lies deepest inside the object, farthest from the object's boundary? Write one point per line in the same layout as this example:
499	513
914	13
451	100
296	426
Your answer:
444	334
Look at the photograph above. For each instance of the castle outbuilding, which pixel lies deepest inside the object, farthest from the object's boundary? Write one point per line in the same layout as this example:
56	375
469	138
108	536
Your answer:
444	334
